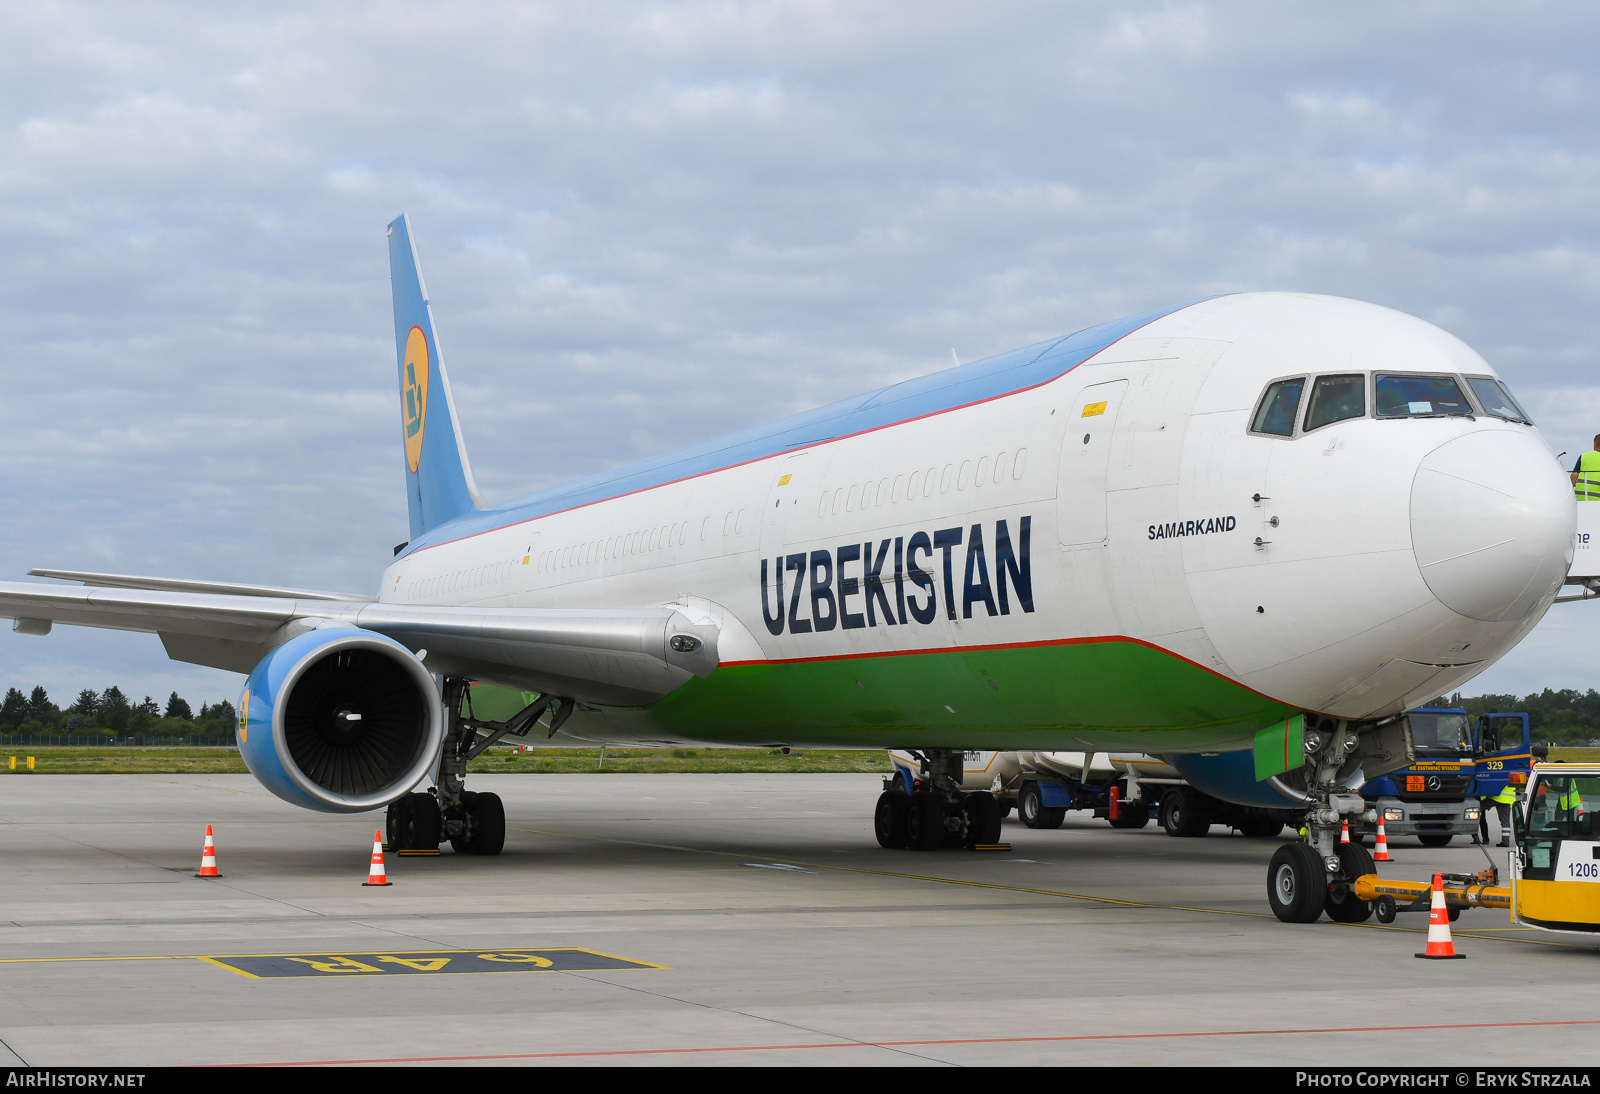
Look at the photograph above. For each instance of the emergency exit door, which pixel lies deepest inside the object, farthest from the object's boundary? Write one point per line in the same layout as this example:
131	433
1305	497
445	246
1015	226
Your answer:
1085	455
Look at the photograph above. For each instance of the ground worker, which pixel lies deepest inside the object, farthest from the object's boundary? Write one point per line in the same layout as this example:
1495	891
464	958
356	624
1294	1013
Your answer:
1502	803
1586	475
1572	802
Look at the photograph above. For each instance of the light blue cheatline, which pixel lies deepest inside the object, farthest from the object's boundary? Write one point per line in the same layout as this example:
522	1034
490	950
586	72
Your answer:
992	377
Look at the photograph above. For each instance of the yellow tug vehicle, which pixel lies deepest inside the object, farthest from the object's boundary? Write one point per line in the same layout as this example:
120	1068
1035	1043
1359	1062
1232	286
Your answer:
1554	864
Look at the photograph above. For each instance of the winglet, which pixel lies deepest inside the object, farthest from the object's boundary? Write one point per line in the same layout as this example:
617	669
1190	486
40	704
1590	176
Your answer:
439	483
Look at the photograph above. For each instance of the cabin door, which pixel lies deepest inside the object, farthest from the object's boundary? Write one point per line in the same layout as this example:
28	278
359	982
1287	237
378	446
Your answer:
1085	456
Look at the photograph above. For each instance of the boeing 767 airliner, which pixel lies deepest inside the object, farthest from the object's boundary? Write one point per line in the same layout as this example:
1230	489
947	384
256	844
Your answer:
1265	521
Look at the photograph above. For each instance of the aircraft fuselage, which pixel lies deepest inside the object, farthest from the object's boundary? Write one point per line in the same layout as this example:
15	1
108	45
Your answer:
1083	544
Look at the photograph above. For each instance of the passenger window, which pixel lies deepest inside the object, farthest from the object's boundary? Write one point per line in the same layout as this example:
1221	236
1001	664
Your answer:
1278	406
1496	400
1334	399
1420	396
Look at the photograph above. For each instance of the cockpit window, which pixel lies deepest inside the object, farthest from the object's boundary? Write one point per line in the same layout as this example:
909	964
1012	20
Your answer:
1278	406
1335	398
1496	400
1420	396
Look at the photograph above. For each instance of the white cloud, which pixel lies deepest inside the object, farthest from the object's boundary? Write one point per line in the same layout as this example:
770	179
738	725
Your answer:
662	221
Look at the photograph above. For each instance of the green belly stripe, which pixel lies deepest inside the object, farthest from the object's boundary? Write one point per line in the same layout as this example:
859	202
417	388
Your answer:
1112	694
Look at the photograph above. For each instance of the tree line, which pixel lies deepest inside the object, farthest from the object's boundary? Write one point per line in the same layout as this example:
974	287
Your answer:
1567	716
114	713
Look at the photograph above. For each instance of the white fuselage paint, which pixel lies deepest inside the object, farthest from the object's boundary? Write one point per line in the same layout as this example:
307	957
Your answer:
1331	612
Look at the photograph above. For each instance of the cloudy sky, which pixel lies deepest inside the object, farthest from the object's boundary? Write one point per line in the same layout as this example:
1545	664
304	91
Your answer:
645	224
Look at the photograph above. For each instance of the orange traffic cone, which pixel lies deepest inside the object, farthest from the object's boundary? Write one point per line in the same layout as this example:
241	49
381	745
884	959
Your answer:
1381	852
1344	834
1440	948
208	857
375	874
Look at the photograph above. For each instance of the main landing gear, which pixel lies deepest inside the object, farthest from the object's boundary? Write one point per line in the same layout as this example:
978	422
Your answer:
1304	880
933	811
474	823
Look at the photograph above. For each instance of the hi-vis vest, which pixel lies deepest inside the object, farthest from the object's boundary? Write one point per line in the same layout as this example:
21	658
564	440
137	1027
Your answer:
1588	485
1507	795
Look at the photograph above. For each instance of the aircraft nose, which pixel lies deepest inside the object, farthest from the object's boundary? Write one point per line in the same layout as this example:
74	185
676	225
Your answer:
1492	523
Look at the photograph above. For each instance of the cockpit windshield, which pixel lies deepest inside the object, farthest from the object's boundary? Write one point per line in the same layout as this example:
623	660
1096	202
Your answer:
1440	732
1278	407
1496	400
1335	399
1420	396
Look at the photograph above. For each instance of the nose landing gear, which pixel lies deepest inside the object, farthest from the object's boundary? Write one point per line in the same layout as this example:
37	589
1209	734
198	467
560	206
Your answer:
1306	879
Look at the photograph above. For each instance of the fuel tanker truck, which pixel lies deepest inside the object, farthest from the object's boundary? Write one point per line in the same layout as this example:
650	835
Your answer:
1126	789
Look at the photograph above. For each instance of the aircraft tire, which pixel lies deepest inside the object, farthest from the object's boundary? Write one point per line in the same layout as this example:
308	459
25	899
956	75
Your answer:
1133	816
424	823
1435	839
925	823
1034	812
1177	816
1260	827
983	818
889	819
412	823
397	822
1297	887
489	831
1342	906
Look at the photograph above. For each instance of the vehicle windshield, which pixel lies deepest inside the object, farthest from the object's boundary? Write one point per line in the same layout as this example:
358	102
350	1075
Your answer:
1496	400
1420	396
1440	732
1565	806
1278	406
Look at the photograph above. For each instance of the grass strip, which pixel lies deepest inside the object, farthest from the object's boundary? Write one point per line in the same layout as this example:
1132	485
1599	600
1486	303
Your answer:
105	760
1566	754
122	760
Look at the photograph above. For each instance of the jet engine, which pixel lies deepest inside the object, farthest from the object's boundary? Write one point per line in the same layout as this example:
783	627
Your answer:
340	720
1230	776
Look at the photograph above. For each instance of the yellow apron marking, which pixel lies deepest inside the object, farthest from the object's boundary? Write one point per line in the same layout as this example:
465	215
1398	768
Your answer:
260	966
421	964
337	964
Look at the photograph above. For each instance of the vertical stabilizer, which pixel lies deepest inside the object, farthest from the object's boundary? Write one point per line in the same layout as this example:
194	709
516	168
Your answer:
439	485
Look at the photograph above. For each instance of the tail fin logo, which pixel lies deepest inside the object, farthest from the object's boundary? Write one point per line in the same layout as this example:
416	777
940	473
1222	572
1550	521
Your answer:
414	394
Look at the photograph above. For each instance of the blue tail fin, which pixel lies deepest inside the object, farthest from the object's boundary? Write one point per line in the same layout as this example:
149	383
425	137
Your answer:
439	485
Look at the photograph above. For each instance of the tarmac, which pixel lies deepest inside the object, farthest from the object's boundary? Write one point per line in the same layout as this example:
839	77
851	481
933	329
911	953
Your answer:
718	919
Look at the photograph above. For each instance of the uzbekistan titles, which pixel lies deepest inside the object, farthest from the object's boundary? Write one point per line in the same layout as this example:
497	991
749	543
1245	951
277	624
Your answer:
854	587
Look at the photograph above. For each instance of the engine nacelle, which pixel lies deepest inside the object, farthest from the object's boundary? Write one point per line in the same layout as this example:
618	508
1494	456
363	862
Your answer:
340	720
1230	776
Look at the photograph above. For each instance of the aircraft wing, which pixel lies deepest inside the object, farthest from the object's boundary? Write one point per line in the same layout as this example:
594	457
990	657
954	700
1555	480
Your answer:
602	657
180	585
